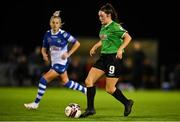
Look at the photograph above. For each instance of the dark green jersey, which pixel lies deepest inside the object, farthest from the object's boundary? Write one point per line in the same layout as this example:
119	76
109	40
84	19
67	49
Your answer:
112	37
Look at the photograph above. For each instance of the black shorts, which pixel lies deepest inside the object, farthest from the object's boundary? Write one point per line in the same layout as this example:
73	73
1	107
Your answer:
110	65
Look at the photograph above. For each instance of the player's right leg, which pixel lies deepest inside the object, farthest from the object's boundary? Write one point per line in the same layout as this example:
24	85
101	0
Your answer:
93	76
49	76
72	84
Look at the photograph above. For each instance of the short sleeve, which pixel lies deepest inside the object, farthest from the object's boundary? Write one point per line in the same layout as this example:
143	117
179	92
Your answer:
45	41
69	37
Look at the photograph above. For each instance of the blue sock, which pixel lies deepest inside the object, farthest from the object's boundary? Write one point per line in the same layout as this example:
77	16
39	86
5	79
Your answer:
76	86
41	90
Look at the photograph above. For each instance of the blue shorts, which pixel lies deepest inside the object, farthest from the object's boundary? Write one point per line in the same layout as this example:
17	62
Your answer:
59	68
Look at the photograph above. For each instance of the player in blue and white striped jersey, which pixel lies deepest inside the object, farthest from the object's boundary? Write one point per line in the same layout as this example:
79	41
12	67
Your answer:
55	50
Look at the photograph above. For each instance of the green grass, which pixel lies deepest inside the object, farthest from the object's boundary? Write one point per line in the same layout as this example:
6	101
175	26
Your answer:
149	105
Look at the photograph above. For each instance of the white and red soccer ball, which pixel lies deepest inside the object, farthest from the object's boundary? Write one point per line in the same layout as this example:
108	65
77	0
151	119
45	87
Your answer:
73	110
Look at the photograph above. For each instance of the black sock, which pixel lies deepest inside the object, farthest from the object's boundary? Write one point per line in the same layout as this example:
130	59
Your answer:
91	91
120	97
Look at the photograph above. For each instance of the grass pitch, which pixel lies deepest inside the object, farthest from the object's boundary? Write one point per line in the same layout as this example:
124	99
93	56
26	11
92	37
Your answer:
148	106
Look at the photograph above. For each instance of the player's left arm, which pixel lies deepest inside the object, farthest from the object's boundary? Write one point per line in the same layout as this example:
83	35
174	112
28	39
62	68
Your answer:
126	39
74	47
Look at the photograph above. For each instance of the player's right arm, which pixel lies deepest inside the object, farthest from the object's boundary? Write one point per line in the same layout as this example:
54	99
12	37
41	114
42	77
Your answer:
44	54
45	47
95	47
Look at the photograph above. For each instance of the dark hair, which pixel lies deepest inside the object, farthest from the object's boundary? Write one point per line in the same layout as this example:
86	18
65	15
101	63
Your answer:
109	9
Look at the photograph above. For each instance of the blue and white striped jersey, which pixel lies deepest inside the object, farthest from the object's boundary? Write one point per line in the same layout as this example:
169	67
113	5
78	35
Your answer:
57	44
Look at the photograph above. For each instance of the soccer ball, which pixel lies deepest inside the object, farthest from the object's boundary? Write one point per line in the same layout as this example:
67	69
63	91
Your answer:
73	110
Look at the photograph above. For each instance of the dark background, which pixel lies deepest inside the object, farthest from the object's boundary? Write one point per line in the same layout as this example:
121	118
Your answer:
25	22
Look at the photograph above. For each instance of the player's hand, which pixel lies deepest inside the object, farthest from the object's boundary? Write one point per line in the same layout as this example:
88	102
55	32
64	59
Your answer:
92	51
119	54
65	55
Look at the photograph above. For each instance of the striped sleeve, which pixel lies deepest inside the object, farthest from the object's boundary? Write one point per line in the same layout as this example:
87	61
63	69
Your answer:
69	37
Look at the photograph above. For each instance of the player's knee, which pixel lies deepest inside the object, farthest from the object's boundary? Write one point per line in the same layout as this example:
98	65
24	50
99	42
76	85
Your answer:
109	90
88	83
64	81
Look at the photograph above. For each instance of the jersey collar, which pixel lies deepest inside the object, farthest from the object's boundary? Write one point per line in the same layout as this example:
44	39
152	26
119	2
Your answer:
56	32
108	24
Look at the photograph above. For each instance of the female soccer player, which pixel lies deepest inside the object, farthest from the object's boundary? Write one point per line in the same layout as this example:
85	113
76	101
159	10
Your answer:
56	43
113	40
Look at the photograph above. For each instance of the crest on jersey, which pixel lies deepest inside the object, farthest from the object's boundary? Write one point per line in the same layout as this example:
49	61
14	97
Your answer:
65	35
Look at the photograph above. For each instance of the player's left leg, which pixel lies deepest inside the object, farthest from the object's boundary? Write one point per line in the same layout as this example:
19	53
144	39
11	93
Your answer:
48	77
93	75
115	92
72	84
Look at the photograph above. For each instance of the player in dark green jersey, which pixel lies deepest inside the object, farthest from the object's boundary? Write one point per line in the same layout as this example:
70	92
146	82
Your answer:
113	39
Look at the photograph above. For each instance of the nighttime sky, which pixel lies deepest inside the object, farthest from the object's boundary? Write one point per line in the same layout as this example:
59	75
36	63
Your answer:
32	18
24	21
